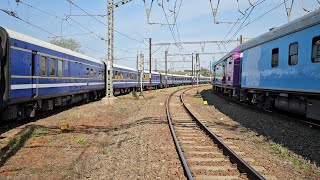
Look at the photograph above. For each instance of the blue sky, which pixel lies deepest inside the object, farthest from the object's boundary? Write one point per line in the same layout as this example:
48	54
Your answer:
194	23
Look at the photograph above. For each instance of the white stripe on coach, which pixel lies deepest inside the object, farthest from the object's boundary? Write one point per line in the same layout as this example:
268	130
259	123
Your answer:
29	86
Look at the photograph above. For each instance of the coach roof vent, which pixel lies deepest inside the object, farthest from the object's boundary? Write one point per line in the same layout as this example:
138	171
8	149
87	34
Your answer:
272	28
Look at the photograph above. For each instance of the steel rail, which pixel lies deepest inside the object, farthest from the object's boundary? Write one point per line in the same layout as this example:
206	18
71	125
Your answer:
175	139
243	166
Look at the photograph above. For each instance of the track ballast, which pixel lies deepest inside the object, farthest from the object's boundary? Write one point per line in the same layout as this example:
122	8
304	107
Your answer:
202	153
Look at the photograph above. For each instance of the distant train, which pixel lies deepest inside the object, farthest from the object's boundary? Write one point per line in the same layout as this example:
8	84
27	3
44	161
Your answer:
39	76
276	70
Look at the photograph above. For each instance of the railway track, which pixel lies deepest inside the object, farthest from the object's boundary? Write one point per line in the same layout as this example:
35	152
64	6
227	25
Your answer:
202	153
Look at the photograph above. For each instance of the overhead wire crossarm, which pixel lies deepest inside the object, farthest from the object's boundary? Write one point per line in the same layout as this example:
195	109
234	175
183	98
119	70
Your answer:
193	42
205	53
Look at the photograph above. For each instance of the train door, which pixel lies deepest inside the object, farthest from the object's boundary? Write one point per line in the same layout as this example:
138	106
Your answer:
229	73
34	74
2	84
224	67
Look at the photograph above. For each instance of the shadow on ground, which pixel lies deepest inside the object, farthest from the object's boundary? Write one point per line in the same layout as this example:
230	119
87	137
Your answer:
19	141
296	136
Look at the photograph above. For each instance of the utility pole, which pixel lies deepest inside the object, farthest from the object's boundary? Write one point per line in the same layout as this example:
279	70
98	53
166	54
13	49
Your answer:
150	66
192	69
197	71
109	72
240	39
155	64
166	67
140	73
137	66
192	65
210	70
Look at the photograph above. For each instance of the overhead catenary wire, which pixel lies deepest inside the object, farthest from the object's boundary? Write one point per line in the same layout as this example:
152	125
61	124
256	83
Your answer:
65	19
247	16
76	22
303	7
171	29
13	14
74	4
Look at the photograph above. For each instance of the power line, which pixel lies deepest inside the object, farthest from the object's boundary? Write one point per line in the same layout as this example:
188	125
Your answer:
241	26
13	14
102	22
80	34
65	19
263	15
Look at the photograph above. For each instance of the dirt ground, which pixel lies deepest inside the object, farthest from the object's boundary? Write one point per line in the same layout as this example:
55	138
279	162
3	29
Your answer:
129	139
259	152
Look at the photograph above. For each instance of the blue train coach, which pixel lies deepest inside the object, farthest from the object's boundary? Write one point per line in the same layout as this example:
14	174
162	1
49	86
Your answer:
36	75
280	69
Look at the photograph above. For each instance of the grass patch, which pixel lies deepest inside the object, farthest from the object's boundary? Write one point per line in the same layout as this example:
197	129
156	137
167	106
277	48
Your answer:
298	162
80	140
38	132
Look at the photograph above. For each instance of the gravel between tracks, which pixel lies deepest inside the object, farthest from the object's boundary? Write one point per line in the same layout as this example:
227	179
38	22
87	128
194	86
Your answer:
254	132
127	140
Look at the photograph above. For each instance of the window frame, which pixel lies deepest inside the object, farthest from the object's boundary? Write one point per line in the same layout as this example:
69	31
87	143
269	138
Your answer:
290	55
45	65
318	50
51	59
62	68
272	59
88	71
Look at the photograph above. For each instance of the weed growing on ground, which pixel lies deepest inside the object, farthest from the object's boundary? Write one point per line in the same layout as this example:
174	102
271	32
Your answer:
37	133
296	161
80	140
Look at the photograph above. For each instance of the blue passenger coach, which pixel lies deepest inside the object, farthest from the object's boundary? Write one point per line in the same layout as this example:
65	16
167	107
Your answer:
38	75
280	68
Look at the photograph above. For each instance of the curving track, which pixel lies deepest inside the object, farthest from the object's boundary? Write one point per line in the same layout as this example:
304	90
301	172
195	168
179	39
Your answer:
202	153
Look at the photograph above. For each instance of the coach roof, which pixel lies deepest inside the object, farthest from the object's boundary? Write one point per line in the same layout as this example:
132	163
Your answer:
299	24
25	38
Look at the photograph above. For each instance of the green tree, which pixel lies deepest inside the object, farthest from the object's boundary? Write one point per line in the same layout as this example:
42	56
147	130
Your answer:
71	44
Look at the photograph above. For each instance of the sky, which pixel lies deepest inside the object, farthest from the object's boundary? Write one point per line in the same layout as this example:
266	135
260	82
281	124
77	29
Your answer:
192	19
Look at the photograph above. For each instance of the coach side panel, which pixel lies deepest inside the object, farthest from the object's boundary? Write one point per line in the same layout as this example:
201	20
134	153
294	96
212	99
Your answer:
39	73
273	65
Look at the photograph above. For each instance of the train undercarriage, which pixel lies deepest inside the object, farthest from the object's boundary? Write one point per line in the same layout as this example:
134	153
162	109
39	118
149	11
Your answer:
296	103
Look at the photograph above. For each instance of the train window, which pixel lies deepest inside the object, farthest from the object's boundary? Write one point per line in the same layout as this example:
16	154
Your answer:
52	67
293	54
88	71
91	72
275	57
316	49
43	69
115	74
60	68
